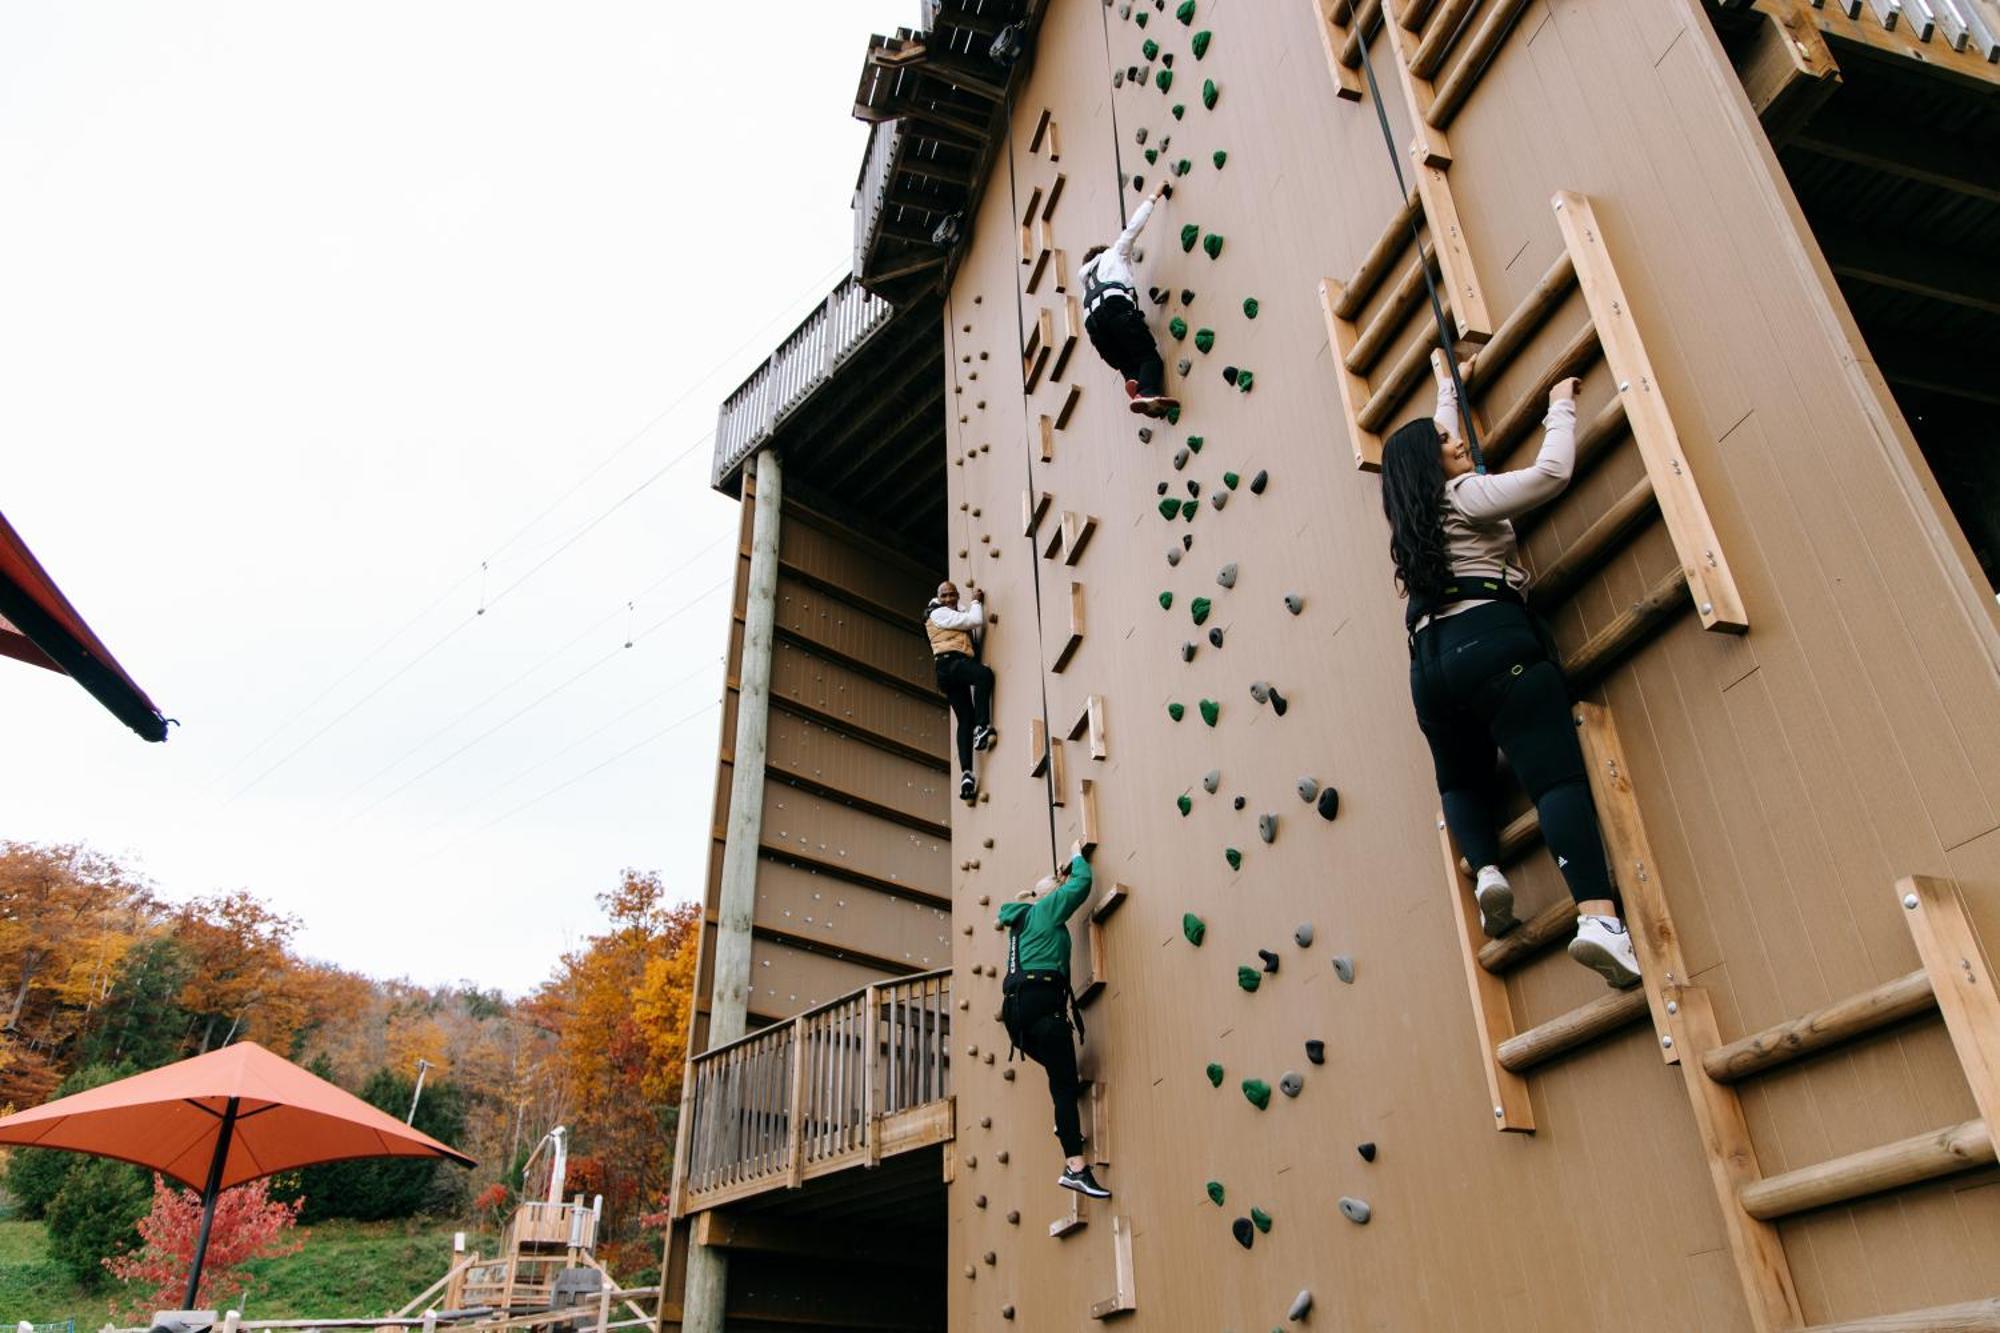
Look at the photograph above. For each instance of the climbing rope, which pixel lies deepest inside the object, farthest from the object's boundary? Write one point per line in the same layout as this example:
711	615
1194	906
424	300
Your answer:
1446	342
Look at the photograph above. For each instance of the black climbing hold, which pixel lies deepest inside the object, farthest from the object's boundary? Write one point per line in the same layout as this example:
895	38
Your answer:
1145	434
1234	857
1215	1074
1176	711
1187	541
1329	802
1259	1093
1199	43
1245	1233
1187	651
1211	780
1259	482
1302	934
1194	928
1212	243
1184	803
1316	1051
1367	1150
1229	374
1215	636
1193	487
1183	366
1249	978
1189	235
1138	181
1270	960
1308	788
1294	603
1278	704
1262	1220
1292	1083
1267	827
1214	1188
1209	92
1355	1210
1168	60
1240	802
1199	607
1187	296
1343	967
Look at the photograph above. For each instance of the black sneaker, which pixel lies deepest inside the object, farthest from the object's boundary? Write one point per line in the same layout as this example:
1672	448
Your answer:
1083	1183
982	738
968	788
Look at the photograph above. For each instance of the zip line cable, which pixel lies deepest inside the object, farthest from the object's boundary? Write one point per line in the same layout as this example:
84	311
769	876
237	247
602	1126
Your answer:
714	370
1446	342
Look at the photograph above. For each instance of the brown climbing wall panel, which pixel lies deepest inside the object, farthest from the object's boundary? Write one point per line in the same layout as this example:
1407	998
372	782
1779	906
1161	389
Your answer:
1851	737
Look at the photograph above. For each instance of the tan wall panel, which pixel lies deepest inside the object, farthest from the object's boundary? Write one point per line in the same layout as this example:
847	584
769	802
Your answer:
835	915
785	980
807	749
806	824
826	551
845	627
863	701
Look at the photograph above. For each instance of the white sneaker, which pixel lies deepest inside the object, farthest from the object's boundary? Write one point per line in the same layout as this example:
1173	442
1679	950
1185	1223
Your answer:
1495	897
1603	945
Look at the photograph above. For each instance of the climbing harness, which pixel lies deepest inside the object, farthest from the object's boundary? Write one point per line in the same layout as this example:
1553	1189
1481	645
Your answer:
1445	341
1096	293
1015	981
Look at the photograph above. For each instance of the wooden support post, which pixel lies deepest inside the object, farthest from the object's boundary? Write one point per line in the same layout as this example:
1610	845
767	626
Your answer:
1332	36
1962	977
1075	639
871	1078
1466	297
1844	1020
1340	340
1429	146
1492	1013
1788	71
1632	860
1702	560
1761	1267
1123	1298
795	1153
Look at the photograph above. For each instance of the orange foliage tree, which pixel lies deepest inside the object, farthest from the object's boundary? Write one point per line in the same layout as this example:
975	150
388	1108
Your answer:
249	1224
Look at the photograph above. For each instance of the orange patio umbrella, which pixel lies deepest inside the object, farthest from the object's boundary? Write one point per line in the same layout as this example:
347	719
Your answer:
219	1120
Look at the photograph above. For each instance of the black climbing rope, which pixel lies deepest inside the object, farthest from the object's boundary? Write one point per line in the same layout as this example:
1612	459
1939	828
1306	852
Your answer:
1446	343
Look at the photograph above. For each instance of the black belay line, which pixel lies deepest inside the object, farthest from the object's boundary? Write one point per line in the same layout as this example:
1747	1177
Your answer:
1446	342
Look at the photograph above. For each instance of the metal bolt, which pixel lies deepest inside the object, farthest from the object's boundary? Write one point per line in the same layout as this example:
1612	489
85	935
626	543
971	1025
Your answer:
1673	1006
1559	205
1440	823
1624	386
1708	608
1667	1043
1910	901
1499	1113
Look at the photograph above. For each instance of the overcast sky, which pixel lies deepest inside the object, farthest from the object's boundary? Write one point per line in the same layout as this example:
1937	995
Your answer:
306	315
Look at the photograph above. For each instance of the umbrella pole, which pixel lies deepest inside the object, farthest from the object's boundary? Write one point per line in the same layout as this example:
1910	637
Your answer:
208	1195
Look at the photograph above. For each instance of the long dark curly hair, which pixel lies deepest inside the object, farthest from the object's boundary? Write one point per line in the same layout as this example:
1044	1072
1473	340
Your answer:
1412	501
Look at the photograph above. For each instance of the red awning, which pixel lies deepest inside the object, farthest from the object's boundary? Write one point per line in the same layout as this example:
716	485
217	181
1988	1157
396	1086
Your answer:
40	627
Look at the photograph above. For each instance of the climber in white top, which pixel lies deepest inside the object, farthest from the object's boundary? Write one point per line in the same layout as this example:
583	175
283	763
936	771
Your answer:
1112	318
965	681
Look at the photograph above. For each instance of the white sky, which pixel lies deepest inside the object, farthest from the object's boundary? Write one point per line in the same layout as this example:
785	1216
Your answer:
305	312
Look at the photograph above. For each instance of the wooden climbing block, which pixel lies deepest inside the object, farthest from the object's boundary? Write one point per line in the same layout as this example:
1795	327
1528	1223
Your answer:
1708	578
1094	941
1077	530
1038	747
1052	542
1068	407
1962	979
1058	774
1100	1123
1086	802
1075	639
1044	122
1072	330
1492	1012
1037	271
1055	142
1340	340
1473	321
1027	245
1034	504
1041	342
1123	1297
1428	144
1076	1219
1030	213
1632	861
1055	194
1090	724
1109	902
1045	433
1060	264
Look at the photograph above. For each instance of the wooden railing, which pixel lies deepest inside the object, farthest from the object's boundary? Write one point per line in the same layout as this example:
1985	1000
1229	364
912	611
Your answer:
840	326
871	188
845	1084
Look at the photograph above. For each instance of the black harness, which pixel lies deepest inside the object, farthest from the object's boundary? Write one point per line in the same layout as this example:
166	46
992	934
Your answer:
1459	588
1016	981
1096	293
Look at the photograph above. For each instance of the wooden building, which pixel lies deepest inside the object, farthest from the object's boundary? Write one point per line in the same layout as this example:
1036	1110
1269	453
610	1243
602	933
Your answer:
1766	234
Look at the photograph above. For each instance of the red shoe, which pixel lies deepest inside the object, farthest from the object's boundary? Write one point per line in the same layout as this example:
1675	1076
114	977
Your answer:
1131	388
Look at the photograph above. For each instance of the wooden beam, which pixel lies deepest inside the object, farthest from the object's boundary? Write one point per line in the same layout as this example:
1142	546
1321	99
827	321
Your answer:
1402	379
1367	15
1964	279
1879	146
1845	1019
1077	530
1492	1013
1565	1032
1703	561
1970	1317
1941	1152
1962	977
1521	324
1527	411
1087	817
1034	504
1340	338
1465	298
768	1234
1788	72
1867	37
1074	640
1058	773
1038	747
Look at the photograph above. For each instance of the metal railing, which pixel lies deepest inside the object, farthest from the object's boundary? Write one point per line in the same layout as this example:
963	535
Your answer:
840	326
811	1093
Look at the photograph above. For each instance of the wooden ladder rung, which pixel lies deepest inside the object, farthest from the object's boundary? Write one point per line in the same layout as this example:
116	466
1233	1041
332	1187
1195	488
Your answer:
1551	926
1431	51
1504	436
1594	546
1521	325
1843	1020
1971	1317
1367	15
1941	1152
1404	300
1565	1032
1593	438
1479	49
1403	378
1354	293
1604	650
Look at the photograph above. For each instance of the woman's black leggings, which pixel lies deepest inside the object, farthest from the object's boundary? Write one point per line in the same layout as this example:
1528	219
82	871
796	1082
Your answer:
1483	681
1042	1032
968	684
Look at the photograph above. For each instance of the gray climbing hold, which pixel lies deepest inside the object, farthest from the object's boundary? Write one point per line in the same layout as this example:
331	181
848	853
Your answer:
1316	1052
1270	960
1302	1305
1308	788
1260	690
1302	934
1367	1150
1267	827
1140	137
1211	780
1215	636
1292	1083
1145	434
1329	803
1226	576
1355	1210
1294	603
1173	555
1183	365
1219	499
1180	459
1343	967
1259	482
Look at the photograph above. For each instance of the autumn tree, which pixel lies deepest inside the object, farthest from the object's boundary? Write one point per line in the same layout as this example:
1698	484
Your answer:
240	950
248	1225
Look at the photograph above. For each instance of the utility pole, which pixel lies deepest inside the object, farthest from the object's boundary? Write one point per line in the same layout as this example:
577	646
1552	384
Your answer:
423	1068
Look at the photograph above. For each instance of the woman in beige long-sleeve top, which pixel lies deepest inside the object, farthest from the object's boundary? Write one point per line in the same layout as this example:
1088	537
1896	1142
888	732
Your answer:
1481	677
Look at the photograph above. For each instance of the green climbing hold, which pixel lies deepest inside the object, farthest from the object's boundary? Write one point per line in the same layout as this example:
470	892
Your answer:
1166	601
1210	710
1195	442
1189	235
1204	339
1199	43
1178	110
1213	244
1194	928
1174	415
1220	157
1178	327
1234	857
1169	507
1176	711
1261	1219
1186	12
1182	167
1152	156
1215	1074
1209	92
1140	18
1249	978
1250	307
1184	803
1198	609
1165	78
1244	379
1215	1192
1259	1093
1229	479
1151	48
1189	508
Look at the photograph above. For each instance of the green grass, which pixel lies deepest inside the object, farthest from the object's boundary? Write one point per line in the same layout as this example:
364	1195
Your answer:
347	1269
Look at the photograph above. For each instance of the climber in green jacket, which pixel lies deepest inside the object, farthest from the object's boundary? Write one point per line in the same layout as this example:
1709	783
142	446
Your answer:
1037	1001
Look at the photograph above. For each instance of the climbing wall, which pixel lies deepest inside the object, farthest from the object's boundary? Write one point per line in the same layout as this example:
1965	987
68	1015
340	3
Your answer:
1203	670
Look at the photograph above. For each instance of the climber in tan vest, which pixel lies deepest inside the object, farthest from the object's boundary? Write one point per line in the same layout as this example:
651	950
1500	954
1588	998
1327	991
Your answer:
966	681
